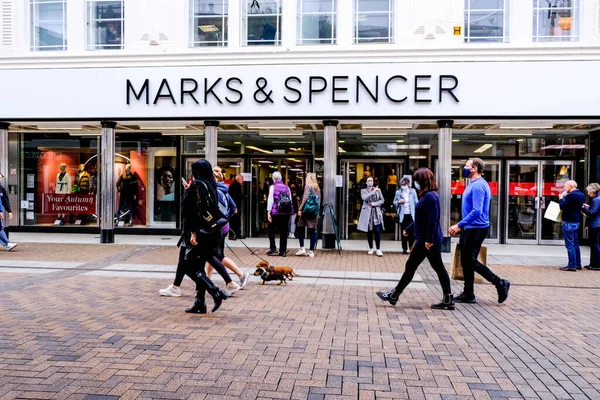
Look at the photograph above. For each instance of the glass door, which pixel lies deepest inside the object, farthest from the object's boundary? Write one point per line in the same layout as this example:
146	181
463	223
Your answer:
554	175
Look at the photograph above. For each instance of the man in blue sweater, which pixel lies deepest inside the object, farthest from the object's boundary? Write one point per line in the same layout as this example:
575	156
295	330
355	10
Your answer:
475	225
571	201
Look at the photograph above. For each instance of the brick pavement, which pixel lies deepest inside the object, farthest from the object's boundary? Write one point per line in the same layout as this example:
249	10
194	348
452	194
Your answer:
70	336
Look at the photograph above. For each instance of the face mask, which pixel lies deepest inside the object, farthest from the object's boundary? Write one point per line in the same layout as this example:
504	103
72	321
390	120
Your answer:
369	184
403	186
417	186
466	172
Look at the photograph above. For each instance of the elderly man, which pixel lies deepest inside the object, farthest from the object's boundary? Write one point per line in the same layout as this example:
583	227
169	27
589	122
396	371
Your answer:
237	194
571	201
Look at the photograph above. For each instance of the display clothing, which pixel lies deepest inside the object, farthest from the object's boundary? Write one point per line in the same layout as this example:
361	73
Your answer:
63	183
82	179
127	186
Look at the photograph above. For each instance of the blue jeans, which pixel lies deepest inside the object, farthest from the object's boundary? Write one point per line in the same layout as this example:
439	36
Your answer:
571	235
3	238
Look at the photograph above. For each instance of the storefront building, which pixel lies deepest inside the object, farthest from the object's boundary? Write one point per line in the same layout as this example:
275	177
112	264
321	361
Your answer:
107	103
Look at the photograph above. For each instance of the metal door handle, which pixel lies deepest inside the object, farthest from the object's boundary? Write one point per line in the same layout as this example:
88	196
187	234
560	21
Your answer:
537	203
543	203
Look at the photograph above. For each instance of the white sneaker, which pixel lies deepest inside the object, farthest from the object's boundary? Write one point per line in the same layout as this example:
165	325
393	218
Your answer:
234	287
11	246
370	252
291	236
244	279
301	252
311	254
379	253
170	292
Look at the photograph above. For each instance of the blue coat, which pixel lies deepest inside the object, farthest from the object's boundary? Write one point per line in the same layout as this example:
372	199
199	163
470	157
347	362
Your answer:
594	213
426	226
413	200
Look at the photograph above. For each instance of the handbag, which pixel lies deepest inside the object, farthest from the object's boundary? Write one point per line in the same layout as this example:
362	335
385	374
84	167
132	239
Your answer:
311	207
212	217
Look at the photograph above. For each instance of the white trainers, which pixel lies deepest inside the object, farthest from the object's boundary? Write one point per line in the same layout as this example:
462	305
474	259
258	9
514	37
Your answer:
311	254
11	246
234	287
301	252
291	236
244	279
379	253
170	291
370	252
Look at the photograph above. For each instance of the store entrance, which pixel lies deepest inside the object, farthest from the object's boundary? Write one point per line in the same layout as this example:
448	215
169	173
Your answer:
532	185
386	175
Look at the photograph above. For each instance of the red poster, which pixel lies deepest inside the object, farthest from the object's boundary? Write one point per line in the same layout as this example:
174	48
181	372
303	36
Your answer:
72	203
522	189
493	188
554	188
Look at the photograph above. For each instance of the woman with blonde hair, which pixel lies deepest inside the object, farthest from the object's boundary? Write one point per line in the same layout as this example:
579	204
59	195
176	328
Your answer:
593	212
309	214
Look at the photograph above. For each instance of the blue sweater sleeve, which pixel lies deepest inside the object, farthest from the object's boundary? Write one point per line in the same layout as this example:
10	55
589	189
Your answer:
433	205
594	208
477	198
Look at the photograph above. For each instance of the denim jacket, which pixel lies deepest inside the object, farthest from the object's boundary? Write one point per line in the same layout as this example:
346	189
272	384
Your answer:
413	200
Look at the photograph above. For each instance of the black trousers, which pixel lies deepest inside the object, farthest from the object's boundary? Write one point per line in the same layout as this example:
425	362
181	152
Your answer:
416	257
281	224
236	225
407	241
594	247
470	246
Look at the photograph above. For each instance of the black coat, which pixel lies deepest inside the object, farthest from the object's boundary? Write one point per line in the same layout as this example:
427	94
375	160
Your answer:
235	191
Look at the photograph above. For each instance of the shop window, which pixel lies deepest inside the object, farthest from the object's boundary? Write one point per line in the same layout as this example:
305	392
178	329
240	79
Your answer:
555	20
317	21
486	20
373	21
208	22
48	25
261	23
59	180
147	181
105	25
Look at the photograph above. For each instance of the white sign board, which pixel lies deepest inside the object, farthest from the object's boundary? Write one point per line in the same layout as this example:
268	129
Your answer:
247	176
339	181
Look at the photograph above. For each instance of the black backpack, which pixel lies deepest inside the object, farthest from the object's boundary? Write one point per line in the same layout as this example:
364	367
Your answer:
212	217
284	203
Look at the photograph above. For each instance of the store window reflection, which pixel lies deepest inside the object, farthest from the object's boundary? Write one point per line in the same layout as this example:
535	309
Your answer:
317	21
262	23
48	25
208	22
487	20
105	25
373	21
59	180
555	20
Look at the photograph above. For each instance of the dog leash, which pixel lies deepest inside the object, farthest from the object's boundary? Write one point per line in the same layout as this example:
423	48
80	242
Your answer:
236	256
246	246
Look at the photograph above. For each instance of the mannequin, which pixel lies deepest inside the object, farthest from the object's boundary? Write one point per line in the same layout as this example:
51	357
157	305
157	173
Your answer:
63	185
392	180
127	186
82	179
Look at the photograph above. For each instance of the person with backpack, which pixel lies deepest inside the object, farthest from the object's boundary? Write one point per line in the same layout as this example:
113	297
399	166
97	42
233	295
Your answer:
279	209
308	212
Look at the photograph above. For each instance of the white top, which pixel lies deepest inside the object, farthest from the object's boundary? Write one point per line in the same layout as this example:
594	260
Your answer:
270	200
406	204
63	186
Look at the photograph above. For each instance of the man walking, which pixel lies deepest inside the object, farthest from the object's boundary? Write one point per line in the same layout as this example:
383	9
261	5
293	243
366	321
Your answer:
475	226
571	201
236	193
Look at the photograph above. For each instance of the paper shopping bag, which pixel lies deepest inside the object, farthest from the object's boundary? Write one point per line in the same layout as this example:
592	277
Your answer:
457	270
553	212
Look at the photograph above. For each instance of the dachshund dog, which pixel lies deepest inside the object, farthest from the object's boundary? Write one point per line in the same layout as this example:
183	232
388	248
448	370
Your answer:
288	272
266	275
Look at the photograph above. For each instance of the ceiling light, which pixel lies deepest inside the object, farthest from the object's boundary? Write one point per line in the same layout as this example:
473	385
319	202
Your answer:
483	148
294	160
409	146
388	126
237	142
208	28
259	149
563	147
85	133
234	166
384	133
279	125
519	140
341	141
265	162
161	128
341	150
400	141
509	133
286	134
455	140
59	129
532	125
417	157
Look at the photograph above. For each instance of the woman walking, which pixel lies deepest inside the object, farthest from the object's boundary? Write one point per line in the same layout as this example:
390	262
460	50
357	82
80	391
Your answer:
428	238
308	212
371	215
593	211
405	202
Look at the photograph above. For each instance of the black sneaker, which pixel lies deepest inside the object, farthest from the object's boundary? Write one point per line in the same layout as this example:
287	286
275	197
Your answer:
283	254
272	252
502	288
465	298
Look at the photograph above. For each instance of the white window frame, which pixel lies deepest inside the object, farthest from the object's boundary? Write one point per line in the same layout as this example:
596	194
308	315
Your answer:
279	18
34	23
224	20
300	38
90	33
575	21
505	38
390	14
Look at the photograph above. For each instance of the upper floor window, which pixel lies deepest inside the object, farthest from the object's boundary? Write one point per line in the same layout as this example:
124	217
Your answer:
105	24
208	22
262	23
373	21
48	25
486	20
317	21
555	20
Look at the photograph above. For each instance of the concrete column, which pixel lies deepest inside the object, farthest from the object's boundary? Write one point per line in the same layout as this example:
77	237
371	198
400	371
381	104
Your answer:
444	177
4	162
210	141
107	182
330	170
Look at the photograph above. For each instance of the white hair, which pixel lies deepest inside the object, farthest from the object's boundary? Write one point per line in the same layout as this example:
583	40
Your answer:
277	176
571	183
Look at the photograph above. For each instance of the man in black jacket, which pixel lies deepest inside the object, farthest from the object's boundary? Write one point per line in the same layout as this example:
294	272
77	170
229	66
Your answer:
236	193
5	208
571	201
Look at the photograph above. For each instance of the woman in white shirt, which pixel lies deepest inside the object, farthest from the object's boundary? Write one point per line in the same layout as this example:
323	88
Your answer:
405	202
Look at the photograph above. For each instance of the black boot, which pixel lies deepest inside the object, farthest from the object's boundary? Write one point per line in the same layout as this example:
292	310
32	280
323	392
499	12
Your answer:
466	298
199	306
391	296
446	304
502	288
217	294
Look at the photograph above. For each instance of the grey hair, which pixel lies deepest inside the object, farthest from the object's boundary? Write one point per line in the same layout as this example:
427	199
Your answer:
593	187
277	176
571	183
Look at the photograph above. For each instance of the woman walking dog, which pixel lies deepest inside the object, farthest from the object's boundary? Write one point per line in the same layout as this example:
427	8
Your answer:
428	238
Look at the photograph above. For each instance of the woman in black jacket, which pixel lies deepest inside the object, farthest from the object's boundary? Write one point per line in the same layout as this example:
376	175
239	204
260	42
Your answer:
201	248
428	239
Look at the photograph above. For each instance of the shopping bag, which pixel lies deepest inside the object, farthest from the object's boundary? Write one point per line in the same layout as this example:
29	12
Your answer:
457	271
553	212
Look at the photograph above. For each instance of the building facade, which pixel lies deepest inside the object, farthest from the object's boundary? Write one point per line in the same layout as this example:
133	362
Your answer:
107	103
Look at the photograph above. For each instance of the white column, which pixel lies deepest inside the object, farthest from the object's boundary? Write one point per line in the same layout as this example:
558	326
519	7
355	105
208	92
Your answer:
288	27
344	21
76	26
210	141
444	177
234	36
107	183
521	22
4	161
330	169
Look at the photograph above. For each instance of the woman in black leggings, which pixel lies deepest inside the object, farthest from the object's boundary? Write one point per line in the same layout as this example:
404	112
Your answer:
428	239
